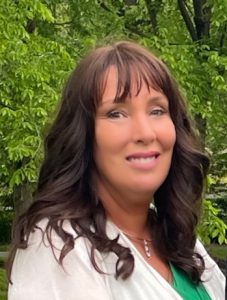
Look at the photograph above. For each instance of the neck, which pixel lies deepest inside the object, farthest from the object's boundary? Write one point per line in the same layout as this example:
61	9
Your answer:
127	211
134	225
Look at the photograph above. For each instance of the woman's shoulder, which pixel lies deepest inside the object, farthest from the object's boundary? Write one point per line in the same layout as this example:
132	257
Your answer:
44	223
44	235
200	249
46	249
38	274
212	277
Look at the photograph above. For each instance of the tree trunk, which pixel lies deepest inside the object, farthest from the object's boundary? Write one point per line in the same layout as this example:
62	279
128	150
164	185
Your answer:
22	198
199	29
153	7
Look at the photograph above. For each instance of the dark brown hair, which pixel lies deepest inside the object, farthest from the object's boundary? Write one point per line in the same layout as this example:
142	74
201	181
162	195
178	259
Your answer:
65	190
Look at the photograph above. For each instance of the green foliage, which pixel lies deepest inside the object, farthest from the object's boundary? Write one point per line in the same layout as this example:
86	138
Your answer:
33	69
5	226
3	285
4	248
42	39
218	251
218	194
212	227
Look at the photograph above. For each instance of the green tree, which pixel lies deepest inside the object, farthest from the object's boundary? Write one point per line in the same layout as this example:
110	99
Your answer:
33	68
42	39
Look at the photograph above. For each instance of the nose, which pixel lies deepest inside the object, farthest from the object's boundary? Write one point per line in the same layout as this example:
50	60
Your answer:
143	131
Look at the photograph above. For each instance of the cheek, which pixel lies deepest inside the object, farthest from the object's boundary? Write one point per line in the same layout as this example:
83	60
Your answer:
103	138
105	144
167	135
110	137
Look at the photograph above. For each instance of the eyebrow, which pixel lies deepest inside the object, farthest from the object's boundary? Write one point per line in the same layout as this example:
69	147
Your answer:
155	99
159	99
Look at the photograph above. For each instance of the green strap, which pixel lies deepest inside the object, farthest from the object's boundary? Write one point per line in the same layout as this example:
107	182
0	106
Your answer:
186	288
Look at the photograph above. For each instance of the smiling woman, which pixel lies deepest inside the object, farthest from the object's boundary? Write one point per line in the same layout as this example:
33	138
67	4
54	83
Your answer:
119	191
141	143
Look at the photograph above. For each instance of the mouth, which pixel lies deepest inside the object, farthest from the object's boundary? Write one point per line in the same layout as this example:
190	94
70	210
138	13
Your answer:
143	158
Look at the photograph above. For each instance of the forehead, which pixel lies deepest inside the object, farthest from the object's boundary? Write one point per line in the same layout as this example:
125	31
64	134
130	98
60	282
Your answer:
119	87
110	83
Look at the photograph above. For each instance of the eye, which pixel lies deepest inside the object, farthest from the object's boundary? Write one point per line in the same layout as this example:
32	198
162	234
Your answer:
115	114
157	111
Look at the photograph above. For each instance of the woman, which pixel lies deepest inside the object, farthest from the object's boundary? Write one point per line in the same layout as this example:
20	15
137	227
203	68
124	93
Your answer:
119	191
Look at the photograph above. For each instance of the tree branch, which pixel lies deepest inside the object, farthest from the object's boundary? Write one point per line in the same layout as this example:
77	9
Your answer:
103	5
7	106
187	20
135	30
190	11
222	39
64	23
141	22
201	19
130	2
153	8
30	26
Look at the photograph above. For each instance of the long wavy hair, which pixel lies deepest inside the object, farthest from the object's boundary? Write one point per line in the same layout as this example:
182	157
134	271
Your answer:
65	190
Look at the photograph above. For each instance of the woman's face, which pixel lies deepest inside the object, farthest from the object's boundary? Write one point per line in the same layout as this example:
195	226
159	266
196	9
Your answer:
133	140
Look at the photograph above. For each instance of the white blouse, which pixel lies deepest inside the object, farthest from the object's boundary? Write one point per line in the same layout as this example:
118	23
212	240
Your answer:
36	274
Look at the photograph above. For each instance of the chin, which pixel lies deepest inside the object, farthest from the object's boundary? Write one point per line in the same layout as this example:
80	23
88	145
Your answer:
147	185
144	188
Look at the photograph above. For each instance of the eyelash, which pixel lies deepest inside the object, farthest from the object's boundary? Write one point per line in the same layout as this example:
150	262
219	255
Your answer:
114	114
157	111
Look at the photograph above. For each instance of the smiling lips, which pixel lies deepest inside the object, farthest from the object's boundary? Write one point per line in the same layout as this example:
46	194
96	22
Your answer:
143	160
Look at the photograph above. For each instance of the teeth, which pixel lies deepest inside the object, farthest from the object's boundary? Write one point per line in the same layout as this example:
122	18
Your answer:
142	160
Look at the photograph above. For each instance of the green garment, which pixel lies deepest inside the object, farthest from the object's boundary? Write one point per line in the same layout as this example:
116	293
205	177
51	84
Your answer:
186	288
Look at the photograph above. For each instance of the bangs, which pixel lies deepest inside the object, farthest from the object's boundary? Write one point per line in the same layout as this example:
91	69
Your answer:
133	70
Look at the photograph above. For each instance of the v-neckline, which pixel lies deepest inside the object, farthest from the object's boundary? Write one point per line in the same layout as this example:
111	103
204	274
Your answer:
139	256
